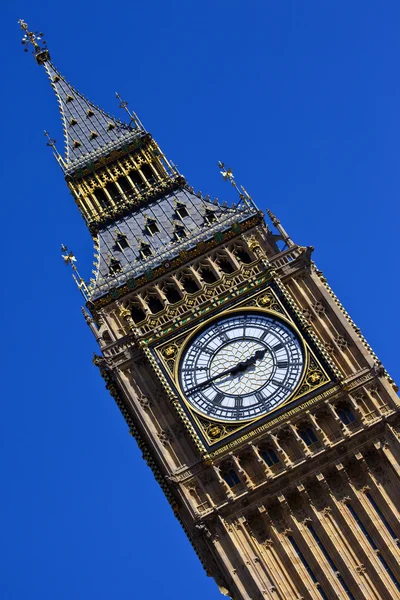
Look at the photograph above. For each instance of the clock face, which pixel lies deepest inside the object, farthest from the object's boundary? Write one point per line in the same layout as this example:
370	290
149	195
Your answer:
241	367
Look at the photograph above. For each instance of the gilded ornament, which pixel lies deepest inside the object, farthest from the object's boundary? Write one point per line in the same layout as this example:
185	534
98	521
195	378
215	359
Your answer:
215	431
124	313
170	351
265	300
314	377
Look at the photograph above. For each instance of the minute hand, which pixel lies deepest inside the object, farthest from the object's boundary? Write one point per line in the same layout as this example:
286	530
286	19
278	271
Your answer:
239	368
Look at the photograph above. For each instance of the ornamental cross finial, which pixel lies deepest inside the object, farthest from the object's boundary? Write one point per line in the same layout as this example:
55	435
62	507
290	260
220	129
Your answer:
52	144
228	175
36	40
133	116
69	259
50	141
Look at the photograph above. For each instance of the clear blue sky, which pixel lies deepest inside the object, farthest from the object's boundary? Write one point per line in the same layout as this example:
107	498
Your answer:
302	99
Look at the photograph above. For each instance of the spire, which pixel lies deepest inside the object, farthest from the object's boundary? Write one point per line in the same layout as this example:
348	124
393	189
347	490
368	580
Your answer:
288	241
89	132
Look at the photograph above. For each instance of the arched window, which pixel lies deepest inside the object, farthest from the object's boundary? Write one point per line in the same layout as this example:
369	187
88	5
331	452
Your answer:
231	477
115	266
179	231
106	337
121	241
209	216
345	415
181	210
270	457
308	436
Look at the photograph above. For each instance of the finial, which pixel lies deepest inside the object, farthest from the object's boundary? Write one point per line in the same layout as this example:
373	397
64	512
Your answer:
276	223
52	144
228	175
69	259
36	40
133	116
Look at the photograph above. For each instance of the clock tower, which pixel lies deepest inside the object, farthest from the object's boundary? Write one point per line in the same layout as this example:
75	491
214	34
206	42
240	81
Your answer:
265	416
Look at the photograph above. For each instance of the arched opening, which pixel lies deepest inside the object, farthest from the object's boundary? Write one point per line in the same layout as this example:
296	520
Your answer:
346	415
208	274
308	436
114	267
230	477
101	198
113	191
289	445
189	284
137	180
124	185
138	314
225	265
148	173
172	293
269	456
243	255
154	303
106	337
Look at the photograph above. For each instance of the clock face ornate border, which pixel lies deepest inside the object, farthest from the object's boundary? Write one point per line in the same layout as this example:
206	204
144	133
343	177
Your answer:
212	433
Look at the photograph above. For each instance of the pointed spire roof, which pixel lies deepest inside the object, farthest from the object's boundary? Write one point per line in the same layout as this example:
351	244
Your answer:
88	130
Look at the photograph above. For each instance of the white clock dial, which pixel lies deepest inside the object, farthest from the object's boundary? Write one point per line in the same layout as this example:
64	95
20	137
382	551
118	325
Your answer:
241	366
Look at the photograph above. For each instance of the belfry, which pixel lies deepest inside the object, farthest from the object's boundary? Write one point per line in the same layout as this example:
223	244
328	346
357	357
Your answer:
265	416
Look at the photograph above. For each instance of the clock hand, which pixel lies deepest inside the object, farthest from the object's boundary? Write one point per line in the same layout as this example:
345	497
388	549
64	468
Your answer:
242	366
208	381
239	368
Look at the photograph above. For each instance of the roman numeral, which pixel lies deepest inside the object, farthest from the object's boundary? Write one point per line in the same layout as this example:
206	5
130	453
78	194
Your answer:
281	385
218	398
202	349
265	333
238	402
277	346
282	364
238	405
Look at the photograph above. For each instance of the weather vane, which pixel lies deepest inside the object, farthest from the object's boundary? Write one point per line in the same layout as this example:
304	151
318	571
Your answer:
228	175
33	38
69	259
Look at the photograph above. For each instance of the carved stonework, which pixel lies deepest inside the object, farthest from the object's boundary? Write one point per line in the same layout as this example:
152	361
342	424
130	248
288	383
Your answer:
342	342
319	308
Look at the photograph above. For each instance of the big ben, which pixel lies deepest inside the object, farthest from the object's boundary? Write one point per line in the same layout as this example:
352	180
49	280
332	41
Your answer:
267	419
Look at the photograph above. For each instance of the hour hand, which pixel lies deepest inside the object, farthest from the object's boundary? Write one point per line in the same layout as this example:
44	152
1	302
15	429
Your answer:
242	366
